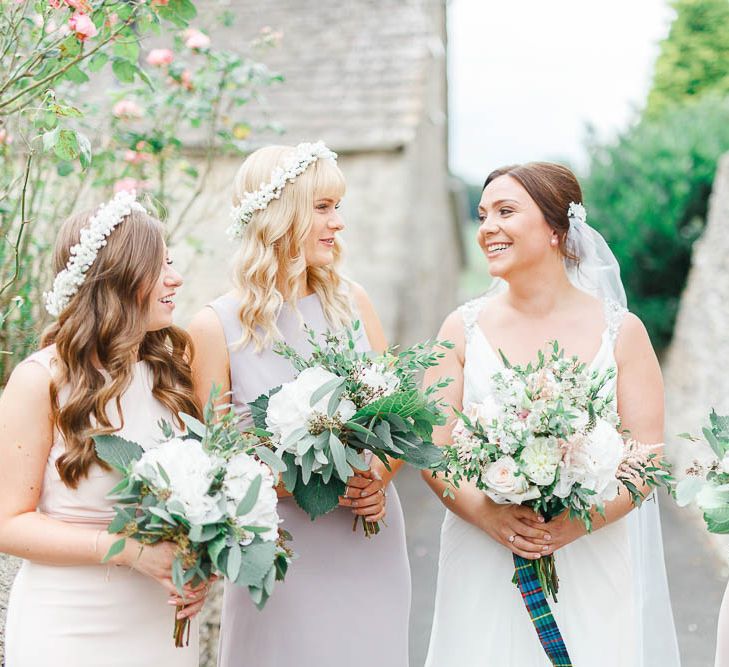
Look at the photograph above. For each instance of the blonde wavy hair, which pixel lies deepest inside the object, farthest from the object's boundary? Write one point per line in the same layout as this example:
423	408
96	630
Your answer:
105	323
270	260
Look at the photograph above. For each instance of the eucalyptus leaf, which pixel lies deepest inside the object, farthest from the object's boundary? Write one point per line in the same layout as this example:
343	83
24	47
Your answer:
344	470
232	568
251	497
270	459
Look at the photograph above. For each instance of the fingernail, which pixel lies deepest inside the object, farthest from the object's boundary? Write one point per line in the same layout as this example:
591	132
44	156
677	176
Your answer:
362	493
541	519
545	548
547	536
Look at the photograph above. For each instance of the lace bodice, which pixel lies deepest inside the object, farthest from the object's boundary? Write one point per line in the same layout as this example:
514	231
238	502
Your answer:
482	361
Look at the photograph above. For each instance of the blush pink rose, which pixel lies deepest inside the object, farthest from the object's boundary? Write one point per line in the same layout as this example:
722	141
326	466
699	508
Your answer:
82	26
5	137
195	39
160	57
127	109
136	157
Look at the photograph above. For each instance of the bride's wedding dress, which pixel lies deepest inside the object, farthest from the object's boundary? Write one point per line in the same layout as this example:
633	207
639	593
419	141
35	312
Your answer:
609	612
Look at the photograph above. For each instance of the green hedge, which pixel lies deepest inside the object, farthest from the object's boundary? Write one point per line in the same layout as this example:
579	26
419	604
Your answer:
647	192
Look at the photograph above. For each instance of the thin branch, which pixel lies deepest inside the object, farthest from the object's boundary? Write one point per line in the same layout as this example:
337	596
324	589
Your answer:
23	224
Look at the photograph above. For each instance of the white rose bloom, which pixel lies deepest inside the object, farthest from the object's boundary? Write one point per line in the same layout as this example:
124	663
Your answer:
290	408
540	459
596	463
505	486
241	470
190	470
379	379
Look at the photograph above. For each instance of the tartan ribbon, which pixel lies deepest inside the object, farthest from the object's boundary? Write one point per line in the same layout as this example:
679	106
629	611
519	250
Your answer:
541	615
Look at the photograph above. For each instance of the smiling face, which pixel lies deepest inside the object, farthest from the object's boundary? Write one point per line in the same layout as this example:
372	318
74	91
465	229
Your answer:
320	244
514	234
161	298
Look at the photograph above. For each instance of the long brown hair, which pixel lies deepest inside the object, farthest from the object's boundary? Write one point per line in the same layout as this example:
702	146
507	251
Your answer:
552	187
105	323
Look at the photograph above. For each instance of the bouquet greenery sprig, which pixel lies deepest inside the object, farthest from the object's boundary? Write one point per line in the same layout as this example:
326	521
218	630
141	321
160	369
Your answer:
548	437
708	484
343	403
209	493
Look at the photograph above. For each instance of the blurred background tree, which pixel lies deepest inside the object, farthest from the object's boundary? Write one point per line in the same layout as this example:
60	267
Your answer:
647	190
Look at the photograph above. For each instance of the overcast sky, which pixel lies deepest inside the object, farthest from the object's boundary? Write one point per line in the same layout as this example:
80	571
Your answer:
526	76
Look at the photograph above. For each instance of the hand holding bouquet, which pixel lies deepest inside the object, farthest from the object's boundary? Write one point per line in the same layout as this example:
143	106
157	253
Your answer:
548	438
207	492
342	404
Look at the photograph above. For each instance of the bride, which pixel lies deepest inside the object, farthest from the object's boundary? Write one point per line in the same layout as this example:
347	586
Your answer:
554	279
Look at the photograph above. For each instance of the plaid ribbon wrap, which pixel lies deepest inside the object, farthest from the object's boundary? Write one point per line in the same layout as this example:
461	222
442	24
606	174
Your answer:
536	603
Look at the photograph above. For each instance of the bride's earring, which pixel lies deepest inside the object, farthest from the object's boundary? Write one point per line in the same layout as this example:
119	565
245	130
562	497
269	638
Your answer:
554	241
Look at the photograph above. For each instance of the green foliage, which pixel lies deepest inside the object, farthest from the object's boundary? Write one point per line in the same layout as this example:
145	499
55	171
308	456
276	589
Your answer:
694	58
647	193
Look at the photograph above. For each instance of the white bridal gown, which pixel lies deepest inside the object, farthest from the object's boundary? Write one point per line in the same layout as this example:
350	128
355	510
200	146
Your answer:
609	612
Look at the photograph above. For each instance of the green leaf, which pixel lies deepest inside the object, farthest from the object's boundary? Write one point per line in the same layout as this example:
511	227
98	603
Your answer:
340	458
64	168
98	61
51	138
404	404
259	407
291	475
117	452
165	516
215	548
718	447
249	500
123	70
317	498
76	75
717	520
232	568
84	150
194	426
127	49
115	549
257	559
424	455
67	147
324	390
178	574
270	459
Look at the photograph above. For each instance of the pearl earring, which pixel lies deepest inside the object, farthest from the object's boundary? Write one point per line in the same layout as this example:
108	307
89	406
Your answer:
554	241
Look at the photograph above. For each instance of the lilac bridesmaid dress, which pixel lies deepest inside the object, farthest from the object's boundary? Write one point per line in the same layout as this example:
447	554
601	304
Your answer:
346	598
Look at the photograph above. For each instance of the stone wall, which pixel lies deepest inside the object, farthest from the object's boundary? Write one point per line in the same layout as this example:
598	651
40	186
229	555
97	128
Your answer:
696	368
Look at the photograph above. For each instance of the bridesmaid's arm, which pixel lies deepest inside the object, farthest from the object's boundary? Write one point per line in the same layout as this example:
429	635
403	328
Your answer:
470	503
378	342
640	406
210	364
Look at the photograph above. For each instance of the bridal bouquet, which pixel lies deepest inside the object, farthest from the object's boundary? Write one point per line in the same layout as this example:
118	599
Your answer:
209	493
707	484
342	404
548	438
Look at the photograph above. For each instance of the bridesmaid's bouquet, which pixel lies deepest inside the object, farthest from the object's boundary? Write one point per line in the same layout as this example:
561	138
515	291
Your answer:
209	493
707	484
548	438
342	404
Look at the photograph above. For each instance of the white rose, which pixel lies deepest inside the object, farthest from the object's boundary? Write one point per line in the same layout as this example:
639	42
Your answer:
241	470
190	471
379	380
505	486
290	408
540	459
596	462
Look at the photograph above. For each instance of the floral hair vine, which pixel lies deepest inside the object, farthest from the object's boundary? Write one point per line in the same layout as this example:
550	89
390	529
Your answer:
83	254
577	214
305	154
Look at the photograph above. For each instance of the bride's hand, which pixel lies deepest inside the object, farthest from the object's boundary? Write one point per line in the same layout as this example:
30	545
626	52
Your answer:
519	529
563	530
365	495
193	602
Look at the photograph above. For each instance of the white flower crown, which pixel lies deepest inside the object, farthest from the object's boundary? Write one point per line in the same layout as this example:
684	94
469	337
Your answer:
83	254
305	155
576	213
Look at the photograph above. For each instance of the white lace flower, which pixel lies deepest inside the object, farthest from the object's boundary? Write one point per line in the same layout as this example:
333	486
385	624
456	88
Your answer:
188	474
304	155
240	472
82	256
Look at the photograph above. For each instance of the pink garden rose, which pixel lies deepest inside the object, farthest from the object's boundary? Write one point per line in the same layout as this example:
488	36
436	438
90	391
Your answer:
195	39
82	26
5	138
136	157
127	109
160	57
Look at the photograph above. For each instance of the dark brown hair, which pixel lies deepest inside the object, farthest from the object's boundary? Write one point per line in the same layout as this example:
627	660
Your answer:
552	187
106	320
